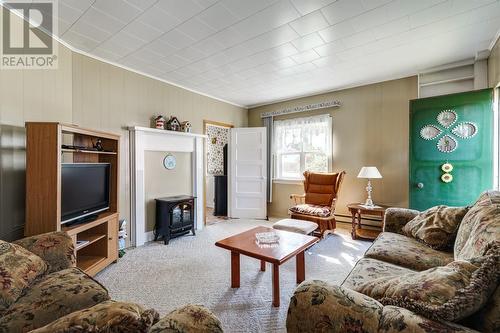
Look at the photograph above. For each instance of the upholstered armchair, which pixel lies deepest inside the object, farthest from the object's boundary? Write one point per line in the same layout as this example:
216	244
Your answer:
318	202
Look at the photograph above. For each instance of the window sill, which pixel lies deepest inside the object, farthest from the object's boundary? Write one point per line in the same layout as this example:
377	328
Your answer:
288	181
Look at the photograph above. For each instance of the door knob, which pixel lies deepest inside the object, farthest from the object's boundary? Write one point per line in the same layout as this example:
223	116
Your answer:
420	185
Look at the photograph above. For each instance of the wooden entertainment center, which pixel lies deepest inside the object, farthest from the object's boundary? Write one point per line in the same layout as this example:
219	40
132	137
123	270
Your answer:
44	155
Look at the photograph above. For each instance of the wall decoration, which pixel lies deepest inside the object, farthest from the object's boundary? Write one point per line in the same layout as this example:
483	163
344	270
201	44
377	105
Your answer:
430	132
447	178
218	137
465	130
169	162
447	118
309	107
447	144
447	167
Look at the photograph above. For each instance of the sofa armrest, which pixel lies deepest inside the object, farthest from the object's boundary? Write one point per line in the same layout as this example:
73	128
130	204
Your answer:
56	248
396	218
189	318
317	306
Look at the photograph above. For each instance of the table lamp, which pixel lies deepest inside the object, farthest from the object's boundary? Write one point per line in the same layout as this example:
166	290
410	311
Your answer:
369	172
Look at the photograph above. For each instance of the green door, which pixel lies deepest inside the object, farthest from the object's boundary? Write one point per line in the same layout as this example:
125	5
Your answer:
456	130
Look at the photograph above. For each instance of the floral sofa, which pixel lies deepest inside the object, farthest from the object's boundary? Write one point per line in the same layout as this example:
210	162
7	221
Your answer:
318	306
42	291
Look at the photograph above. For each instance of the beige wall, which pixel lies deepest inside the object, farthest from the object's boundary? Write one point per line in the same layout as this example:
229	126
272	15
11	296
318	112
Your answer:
161	182
370	128
93	94
494	65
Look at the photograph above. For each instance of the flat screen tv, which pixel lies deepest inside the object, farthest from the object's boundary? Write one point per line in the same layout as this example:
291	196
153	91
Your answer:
84	190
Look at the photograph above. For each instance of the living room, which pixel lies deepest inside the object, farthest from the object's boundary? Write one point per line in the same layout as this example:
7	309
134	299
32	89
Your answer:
154	152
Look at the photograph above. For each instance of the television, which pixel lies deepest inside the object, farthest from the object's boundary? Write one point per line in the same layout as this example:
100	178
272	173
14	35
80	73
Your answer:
84	190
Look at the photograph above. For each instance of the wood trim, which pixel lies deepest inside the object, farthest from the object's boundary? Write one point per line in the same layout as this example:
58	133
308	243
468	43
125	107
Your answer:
205	123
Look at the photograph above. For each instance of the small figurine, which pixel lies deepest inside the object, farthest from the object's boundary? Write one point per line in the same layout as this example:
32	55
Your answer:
98	145
173	124
186	127
160	122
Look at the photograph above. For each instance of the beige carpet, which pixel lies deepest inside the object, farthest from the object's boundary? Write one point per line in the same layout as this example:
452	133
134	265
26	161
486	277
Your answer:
192	270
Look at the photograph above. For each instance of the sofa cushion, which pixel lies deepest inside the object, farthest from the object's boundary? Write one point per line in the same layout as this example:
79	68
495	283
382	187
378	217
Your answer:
189	318
368	269
437	226
56	248
487	320
56	295
451	292
19	268
407	252
108	316
314	210
479	227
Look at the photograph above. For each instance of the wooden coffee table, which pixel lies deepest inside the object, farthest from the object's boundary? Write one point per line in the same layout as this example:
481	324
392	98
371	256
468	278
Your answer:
290	245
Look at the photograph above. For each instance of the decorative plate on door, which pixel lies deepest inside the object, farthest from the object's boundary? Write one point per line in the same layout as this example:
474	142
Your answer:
447	118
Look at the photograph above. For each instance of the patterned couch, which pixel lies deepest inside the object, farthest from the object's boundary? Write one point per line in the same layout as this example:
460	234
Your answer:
318	306
42	291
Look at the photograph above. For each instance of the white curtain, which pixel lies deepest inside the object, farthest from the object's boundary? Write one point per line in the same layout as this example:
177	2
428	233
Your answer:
302	144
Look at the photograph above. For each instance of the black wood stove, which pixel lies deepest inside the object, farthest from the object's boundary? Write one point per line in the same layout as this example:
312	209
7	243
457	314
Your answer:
174	217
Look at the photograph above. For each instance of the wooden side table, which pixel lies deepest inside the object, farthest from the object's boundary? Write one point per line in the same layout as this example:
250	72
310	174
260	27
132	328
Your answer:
356	210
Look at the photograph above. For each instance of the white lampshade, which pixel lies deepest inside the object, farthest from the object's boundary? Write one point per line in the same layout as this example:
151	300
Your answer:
369	172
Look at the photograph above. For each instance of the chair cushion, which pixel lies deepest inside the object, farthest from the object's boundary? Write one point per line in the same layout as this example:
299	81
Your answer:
56	295
479	227
189	318
19	268
108	316
368	269
406	252
313	210
294	225
450	292
437	226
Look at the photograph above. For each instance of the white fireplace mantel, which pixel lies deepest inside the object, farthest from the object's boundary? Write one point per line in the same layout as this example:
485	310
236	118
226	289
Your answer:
144	139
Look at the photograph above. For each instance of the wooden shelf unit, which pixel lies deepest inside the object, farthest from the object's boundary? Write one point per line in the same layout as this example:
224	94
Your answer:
44	156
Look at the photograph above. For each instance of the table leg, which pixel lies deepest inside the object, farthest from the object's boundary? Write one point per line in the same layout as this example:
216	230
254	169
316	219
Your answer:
301	267
353	223
262	265
276	285
235	270
359	219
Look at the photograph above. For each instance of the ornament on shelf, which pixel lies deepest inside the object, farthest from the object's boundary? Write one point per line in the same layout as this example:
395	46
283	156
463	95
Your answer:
186	127
173	124
160	122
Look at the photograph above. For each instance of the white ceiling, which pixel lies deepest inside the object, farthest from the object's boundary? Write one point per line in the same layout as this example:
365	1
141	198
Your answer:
251	52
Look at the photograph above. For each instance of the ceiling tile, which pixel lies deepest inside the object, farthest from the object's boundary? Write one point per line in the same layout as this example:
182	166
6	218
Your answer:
159	19
125	40
245	8
306	56
309	23
337	31
342	10
147	56
118	9
82	42
267	19
105	54
102	20
371	4
195	29
228	37
91	31
80	5
142	31
217	17
177	39
329	61
308	6
308	42
176	60
209	46
141	4
160	47
330	48
358	39
432	14
180	9
191	54
392	28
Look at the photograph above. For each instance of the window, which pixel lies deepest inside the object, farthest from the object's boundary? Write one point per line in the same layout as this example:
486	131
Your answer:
302	144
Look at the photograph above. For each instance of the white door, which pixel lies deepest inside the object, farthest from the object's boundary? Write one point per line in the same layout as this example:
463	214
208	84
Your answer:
247	173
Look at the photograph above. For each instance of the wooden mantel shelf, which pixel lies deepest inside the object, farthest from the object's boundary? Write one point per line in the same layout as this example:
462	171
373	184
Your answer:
165	132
